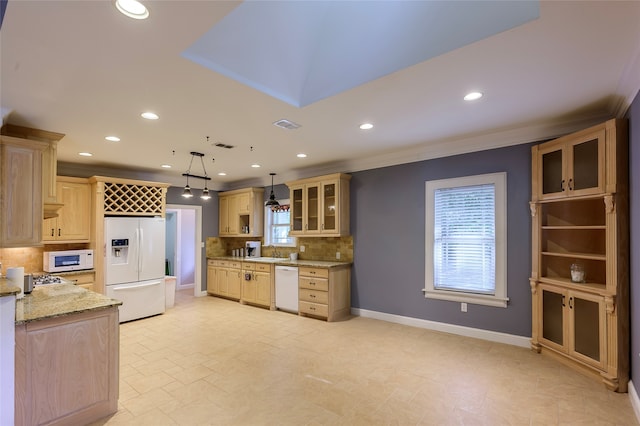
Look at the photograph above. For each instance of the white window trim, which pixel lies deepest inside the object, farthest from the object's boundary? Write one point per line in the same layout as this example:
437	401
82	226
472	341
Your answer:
267	226
500	298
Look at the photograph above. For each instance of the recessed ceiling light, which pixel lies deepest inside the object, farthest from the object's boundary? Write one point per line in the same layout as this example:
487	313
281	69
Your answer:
366	126
255	166
301	155
132	8
113	138
472	96
149	115
222	174
85	154
166	166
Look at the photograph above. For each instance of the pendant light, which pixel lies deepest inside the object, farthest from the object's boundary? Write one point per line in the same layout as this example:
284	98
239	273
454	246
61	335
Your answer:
186	193
272	198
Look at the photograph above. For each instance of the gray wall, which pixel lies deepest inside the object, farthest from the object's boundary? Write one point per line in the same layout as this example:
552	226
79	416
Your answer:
387	224
209	220
634	189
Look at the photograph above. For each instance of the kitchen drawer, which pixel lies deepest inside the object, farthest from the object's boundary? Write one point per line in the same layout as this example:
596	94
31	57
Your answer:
234	264
313	309
314	272
263	267
314	283
314	296
248	266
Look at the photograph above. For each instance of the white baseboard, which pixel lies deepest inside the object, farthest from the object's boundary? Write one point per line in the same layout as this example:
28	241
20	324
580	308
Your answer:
493	336
635	400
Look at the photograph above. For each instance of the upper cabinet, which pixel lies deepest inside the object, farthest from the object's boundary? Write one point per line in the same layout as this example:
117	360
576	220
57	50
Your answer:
579	164
241	212
73	223
320	206
49	162
20	192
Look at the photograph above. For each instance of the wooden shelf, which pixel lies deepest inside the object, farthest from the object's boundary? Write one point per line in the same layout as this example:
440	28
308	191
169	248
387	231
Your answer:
576	227
584	256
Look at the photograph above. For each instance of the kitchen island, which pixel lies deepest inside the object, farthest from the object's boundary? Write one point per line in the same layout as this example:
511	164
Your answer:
67	356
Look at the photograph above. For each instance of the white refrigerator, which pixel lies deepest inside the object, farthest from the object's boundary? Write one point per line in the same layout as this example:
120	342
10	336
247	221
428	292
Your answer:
134	265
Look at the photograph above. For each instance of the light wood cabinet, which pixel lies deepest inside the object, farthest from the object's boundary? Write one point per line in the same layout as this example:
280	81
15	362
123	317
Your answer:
320	206
583	317
73	223
224	278
83	279
578	164
241	213
21	209
67	368
258	284
325	293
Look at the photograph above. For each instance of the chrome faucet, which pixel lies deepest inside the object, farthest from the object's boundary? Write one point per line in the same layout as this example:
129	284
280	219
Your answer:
274	252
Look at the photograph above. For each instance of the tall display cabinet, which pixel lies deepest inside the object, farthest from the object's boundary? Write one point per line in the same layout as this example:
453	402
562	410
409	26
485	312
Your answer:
580	251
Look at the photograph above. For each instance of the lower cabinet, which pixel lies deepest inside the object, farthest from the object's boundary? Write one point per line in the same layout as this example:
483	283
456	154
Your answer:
579	326
258	284
66	369
325	293
85	279
224	278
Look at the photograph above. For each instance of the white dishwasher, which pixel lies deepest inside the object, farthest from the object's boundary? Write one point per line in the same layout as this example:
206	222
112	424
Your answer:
287	288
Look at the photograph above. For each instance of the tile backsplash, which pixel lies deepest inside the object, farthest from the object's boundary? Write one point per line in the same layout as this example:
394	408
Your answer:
31	257
315	248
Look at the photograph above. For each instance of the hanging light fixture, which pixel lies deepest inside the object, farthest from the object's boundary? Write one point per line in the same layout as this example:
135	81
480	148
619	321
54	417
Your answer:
187	189
272	198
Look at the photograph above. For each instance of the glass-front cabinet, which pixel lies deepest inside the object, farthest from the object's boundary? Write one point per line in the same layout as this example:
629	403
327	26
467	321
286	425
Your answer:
573	322
580	251
320	206
572	167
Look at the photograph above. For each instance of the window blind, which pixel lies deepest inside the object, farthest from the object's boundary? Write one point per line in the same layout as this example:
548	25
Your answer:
465	239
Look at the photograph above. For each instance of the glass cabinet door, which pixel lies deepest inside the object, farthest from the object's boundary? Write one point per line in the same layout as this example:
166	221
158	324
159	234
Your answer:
552	179
587	326
552	316
313	208
329	207
296	209
586	165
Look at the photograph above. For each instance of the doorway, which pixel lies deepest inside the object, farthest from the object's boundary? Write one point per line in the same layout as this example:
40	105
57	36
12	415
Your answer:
183	246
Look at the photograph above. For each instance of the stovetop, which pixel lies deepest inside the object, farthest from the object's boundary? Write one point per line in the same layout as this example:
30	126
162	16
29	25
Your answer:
47	279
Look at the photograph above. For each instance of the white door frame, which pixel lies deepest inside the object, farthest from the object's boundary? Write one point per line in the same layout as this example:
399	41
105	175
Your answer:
198	244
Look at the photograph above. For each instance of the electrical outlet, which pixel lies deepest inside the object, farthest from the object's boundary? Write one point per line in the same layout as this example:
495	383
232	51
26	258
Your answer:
463	307
338	255
301	249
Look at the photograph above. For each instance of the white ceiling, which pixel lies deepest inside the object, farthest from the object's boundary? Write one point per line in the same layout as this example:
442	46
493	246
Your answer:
85	70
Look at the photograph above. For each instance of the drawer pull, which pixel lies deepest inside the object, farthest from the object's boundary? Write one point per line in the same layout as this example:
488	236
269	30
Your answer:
311	308
312	283
312	295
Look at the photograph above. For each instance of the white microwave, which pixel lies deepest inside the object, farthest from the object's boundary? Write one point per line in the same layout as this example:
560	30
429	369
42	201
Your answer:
69	260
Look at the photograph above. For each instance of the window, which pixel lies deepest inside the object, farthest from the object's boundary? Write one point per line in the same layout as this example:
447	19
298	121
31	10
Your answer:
465	241
277	226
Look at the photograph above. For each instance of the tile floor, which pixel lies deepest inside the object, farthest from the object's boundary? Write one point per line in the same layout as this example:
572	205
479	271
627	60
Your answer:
209	361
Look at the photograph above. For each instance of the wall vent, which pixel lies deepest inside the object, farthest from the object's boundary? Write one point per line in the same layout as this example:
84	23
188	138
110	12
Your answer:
286	124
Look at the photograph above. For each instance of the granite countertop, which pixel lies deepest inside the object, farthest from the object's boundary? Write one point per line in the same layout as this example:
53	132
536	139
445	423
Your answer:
286	261
7	288
54	300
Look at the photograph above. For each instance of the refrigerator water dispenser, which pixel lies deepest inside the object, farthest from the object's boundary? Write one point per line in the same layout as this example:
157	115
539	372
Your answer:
119	251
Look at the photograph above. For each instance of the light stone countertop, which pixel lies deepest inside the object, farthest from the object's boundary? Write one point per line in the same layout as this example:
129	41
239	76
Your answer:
7	288
54	300
285	261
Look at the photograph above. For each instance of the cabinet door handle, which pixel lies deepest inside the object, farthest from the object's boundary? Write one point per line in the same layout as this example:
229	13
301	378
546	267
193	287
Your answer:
53	232
563	305
570	184
562	185
59	232
571	303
